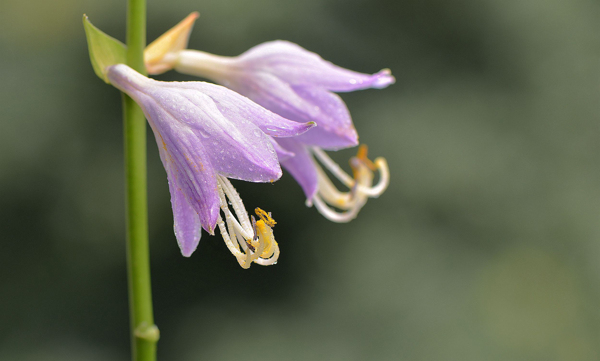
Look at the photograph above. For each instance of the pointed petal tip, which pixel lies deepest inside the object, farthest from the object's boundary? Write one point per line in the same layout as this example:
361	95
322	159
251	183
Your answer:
383	79
279	174
187	246
285	128
269	173
310	193
347	141
306	127
210	229
330	138
187	231
187	253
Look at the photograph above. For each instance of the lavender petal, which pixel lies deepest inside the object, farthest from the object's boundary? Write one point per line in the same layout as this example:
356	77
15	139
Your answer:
187	225
241	109
301	166
298	66
303	104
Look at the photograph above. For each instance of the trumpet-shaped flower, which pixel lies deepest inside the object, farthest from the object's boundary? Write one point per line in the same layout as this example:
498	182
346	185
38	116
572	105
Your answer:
298	85
205	134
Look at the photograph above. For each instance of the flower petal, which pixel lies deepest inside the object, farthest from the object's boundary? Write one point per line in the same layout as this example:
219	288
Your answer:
282	154
298	66
231	143
335	129
236	147
181	149
303	104
301	166
240	108
185	218
191	173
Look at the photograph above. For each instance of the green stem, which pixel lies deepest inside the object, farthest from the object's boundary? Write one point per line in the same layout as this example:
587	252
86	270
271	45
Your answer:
144	333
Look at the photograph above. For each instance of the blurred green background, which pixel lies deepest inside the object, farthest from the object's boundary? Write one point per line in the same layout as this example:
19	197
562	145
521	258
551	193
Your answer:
486	245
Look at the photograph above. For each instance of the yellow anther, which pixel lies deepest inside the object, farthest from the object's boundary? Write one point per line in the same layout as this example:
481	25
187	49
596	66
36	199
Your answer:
361	155
265	234
360	161
265	217
362	151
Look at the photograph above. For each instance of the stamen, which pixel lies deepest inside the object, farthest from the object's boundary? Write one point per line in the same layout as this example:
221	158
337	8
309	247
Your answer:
248	240
333	167
360	186
362	156
328	191
266	217
270	251
334	216
236	202
384	179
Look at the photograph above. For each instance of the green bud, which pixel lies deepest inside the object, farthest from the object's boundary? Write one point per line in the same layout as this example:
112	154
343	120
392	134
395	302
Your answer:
104	50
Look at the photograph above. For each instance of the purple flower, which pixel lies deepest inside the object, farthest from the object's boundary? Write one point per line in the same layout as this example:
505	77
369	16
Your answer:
298	85
205	134
292	82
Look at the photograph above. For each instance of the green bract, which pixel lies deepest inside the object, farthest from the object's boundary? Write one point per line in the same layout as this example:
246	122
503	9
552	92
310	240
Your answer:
104	49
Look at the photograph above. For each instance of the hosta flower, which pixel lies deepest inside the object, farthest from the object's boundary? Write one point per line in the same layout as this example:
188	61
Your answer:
298	85
205	134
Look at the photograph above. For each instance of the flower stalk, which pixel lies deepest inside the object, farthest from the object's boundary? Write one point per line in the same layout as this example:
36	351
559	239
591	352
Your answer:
144	334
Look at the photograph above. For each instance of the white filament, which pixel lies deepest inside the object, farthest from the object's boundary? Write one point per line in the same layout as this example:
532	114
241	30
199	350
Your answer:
334	216
238	235
333	167
360	188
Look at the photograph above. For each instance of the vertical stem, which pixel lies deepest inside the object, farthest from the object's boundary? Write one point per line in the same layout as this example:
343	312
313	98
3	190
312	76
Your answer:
144	333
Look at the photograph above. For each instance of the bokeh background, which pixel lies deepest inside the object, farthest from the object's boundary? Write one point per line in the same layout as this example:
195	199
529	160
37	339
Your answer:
486	245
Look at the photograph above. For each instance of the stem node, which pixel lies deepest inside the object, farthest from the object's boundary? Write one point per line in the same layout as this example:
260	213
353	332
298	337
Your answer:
147	332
